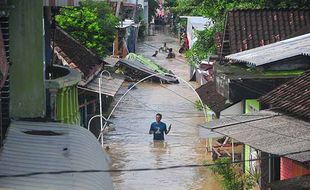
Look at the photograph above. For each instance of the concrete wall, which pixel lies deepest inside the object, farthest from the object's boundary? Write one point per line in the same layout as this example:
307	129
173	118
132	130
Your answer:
27	92
236	109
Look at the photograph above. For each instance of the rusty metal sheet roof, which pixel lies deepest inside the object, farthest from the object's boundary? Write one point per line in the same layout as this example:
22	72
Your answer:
292	97
110	85
274	52
268	131
134	64
34	147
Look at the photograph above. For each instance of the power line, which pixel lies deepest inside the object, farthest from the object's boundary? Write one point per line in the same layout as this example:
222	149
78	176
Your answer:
146	169
209	128
245	122
187	124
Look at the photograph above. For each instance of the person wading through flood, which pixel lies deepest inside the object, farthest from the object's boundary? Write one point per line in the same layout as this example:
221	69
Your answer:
158	128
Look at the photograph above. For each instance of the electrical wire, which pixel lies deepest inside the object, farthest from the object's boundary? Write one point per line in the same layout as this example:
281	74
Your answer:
210	128
144	169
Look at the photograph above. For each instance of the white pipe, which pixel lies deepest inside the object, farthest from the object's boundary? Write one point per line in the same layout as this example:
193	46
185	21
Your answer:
101	132
100	101
88	125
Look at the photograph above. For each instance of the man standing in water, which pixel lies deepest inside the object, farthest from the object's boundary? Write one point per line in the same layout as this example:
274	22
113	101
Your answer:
158	128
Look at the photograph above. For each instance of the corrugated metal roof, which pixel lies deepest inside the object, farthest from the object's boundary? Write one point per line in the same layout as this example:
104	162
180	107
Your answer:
111	61
109	86
274	52
270	132
63	147
133	64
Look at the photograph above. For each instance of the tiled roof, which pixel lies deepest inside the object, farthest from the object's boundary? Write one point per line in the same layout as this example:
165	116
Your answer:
247	29
292	97
76	55
211	97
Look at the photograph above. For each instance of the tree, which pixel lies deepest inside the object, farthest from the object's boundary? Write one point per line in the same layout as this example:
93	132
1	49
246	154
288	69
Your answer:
153	6
230	177
92	23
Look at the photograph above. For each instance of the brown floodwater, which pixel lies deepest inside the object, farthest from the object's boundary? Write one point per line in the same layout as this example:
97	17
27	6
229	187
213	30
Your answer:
131	146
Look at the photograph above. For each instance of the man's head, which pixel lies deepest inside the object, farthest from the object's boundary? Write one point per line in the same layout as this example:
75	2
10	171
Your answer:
158	117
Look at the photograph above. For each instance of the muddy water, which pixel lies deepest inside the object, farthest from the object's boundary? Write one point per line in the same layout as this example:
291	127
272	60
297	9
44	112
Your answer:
132	147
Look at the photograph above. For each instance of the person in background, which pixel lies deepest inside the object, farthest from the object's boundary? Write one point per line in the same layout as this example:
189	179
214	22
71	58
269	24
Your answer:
154	55
159	129
170	54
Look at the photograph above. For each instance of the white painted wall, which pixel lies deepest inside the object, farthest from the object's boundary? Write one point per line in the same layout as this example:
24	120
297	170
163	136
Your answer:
235	109
195	23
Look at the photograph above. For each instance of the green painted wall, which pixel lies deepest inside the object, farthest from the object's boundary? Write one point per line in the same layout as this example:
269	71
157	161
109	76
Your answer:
67	106
27	92
251	105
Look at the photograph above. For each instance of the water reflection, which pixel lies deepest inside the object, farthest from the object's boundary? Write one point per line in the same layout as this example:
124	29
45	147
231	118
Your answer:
158	149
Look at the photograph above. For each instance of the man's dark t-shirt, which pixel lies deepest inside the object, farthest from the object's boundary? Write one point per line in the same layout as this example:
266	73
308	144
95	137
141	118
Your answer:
158	130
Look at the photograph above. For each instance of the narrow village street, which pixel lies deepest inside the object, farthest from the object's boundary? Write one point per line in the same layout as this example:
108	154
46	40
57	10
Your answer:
131	146
94	95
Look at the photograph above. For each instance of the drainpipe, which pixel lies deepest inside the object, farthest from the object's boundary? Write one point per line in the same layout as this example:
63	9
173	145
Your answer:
100	102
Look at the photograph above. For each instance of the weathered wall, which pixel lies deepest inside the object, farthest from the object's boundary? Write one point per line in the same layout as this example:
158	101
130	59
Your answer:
26	53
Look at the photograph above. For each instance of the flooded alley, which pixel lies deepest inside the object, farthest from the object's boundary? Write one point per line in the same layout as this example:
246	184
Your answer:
131	146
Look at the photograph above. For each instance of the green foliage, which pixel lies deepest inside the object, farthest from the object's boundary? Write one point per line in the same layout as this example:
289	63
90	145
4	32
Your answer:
92	23
198	105
142	28
283	73
230	178
153	6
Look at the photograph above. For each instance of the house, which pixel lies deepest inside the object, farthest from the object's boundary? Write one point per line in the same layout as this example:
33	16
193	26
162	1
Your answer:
279	135
241	81
291	99
258	51
249	29
195	23
126	38
69	52
238	80
44	145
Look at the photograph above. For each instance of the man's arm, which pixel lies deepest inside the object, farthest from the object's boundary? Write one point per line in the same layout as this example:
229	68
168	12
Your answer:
151	130
169	128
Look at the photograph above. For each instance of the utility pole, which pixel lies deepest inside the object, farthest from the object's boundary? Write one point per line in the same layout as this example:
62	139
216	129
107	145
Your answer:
118	7
135	12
